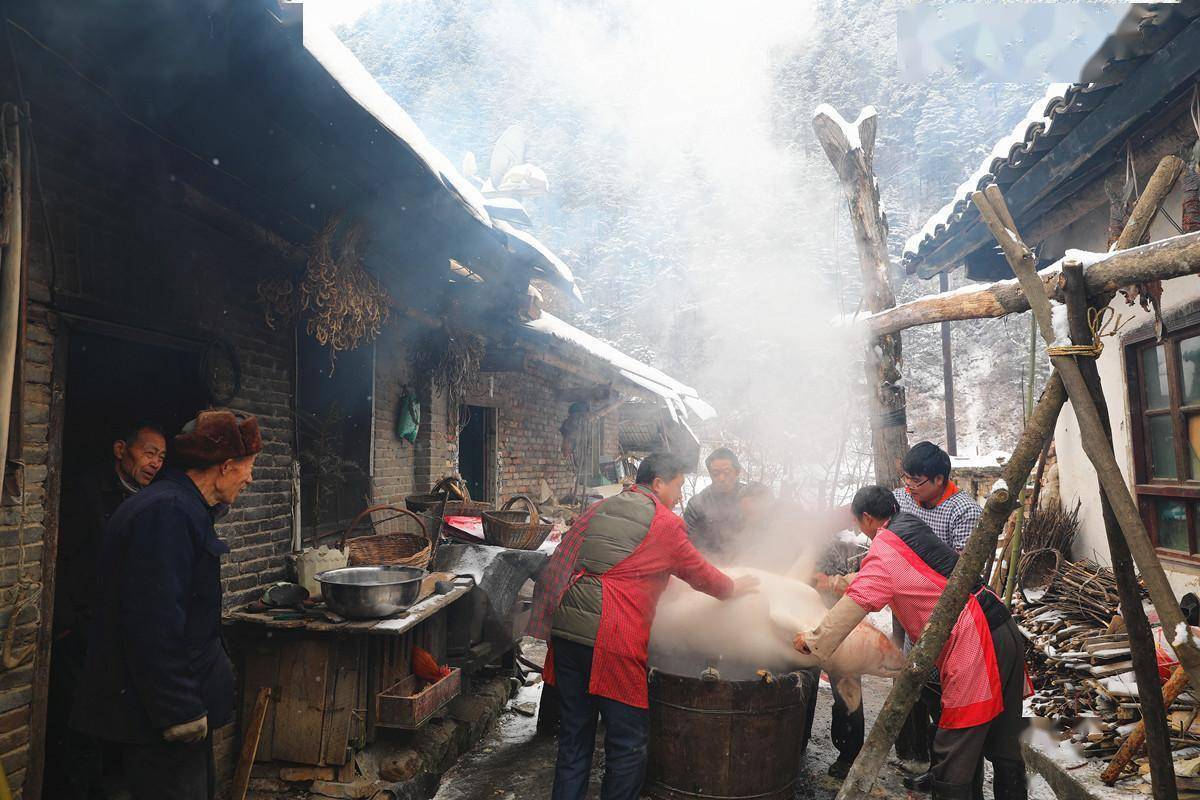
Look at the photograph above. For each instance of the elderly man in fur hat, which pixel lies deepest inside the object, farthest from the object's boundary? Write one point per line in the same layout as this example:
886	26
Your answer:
158	680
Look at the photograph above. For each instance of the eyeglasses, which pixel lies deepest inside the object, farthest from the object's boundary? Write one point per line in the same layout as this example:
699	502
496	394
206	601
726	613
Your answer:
914	483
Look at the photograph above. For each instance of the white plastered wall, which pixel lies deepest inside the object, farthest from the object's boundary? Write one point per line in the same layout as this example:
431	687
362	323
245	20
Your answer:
1076	476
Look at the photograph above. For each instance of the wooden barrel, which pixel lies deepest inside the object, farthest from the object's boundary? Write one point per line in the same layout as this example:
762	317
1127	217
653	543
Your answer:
719	740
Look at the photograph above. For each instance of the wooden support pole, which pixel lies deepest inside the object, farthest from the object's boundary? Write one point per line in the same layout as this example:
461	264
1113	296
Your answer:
1157	189
948	377
1145	663
1095	443
1169	258
850	149
250	738
1000	503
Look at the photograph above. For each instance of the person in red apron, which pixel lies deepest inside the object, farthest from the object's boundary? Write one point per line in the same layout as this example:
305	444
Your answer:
982	666
594	603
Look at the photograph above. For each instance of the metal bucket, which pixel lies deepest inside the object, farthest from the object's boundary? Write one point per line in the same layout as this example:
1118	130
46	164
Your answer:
719	740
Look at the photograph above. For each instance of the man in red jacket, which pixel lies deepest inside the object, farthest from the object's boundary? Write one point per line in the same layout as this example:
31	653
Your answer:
595	604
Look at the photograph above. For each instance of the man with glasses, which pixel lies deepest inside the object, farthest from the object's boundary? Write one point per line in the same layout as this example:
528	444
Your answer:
714	516
930	495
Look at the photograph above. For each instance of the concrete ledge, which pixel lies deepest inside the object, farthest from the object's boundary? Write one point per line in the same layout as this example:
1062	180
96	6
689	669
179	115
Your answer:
1071	777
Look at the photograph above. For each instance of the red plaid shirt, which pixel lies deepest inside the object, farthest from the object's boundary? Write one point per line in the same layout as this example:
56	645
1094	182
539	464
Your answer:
630	592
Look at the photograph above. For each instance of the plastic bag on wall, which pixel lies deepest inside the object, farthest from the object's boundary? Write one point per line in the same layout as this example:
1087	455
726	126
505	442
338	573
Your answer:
410	417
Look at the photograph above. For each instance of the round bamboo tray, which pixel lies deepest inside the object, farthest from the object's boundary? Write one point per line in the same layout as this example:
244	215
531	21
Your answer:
519	530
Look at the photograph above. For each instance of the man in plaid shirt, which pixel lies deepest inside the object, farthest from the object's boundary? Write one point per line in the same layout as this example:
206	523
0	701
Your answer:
595	603
930	496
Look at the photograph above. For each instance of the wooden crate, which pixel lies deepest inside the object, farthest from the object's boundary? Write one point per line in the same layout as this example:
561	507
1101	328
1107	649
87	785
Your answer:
403	707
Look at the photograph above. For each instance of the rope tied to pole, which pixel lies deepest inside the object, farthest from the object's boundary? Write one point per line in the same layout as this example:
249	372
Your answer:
1102	322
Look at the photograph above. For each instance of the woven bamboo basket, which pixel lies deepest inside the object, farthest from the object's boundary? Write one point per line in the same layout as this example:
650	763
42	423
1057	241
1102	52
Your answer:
519	530
459	503
387	544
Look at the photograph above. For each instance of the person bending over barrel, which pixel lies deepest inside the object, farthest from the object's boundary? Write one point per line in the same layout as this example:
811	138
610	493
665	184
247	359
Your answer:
981	666
595	604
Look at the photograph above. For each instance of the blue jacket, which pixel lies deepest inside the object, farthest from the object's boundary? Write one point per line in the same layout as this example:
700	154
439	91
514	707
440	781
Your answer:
155	655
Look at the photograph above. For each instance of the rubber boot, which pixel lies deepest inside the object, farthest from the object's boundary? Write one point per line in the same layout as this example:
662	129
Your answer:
952	791
919	783
1008	780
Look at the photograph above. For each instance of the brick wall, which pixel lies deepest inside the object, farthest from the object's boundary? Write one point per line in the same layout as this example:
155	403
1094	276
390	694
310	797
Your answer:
122	255
394	459
528	441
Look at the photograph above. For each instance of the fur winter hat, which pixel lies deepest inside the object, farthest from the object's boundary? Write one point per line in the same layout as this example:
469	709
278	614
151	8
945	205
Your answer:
214	436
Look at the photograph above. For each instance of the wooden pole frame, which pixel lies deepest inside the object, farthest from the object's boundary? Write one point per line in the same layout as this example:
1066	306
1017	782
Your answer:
982	544
995	214
1141	638
1161	260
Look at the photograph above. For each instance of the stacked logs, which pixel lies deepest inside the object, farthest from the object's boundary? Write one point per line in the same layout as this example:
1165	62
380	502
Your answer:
1080	663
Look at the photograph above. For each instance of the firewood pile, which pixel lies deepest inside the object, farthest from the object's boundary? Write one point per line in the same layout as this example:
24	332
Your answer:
1080	662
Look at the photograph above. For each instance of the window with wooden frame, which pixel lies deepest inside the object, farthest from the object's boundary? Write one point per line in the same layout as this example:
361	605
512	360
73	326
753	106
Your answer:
1164	399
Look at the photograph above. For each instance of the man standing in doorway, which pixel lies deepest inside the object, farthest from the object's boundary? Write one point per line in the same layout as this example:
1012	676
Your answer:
713	517
595	604
158	680
74	762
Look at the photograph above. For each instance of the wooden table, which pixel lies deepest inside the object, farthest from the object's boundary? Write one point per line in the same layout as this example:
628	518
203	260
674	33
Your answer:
325	676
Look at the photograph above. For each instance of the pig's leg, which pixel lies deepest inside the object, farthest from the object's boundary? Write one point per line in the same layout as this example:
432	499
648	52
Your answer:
849	687
848	731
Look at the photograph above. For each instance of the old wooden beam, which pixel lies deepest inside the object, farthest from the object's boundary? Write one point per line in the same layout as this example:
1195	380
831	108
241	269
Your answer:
1095	444
1162	260
1156	191
1000	503
1145	663
250	738
850	149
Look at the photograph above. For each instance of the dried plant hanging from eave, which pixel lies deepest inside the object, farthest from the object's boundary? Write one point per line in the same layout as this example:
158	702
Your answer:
343	305
451	359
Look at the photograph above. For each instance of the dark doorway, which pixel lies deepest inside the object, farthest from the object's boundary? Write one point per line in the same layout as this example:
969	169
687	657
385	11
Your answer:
335	411
477	451
112	383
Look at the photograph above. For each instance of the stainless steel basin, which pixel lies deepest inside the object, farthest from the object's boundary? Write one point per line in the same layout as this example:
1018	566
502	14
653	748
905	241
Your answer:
370	592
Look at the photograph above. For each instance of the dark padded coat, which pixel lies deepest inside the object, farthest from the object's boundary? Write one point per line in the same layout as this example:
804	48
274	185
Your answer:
155	655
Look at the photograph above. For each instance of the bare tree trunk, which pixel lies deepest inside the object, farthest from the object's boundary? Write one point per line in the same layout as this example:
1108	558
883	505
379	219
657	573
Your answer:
907	686
850	149
1145	664
1169	258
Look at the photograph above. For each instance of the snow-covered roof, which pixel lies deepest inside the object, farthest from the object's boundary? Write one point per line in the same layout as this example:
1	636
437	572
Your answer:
682	400
1037	125
1144	31
329	51
553	267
